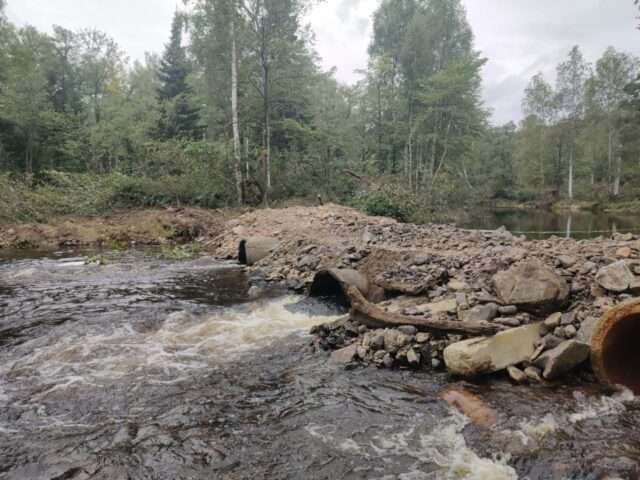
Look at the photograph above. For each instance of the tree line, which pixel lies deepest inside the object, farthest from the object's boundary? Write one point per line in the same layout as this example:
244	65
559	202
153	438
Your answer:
237	110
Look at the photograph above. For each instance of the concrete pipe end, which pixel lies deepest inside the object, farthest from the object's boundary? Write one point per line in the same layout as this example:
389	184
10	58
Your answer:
615	355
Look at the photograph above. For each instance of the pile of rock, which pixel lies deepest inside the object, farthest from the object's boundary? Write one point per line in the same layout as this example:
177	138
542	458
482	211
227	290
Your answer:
402	347
442	273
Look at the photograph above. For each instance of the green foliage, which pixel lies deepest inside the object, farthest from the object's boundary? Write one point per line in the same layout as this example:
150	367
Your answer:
83	131
380	205
181	252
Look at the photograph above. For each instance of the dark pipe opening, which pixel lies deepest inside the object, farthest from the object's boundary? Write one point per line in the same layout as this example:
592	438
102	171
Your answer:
242	252
326	286
620	353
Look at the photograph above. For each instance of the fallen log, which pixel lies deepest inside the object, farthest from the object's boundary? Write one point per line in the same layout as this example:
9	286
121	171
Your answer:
373	316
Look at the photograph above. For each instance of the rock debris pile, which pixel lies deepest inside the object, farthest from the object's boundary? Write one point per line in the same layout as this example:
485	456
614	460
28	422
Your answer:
543	296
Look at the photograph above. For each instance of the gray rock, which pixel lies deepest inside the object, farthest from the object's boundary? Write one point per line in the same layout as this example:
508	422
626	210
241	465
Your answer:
421	260
457	285
387	361
394	340
509	321
436	363
532	287
508	310
481	313
553	321
362	352
567	261
309	262
550	341
570	331
483	355
461	300
373	340
514	254
615	277
409	330
587	329
423	337
533	374
563	358
413	358
379	357
568	318
445	306
345	355
517	375
588	267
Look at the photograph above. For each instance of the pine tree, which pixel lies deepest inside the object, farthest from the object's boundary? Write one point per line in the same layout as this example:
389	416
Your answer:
178	117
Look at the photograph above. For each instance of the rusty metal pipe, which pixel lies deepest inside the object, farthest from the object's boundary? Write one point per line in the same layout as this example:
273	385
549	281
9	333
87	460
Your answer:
335	282
615	355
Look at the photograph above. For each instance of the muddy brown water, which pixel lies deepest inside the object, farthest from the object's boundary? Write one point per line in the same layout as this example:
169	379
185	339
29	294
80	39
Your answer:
152	369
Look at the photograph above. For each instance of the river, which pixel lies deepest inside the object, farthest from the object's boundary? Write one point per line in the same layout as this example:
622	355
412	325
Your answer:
542	223
144	368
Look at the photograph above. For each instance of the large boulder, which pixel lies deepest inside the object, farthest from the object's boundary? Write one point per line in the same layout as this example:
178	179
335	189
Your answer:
562	359
483	355
616	277
532	287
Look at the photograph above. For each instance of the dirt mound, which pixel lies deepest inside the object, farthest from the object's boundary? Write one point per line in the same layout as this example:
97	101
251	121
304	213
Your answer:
142	227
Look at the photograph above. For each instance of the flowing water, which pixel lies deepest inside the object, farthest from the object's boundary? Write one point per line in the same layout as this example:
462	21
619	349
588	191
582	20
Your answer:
152	369
545	223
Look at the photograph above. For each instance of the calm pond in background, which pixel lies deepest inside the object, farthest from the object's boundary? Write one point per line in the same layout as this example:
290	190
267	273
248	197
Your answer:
545	223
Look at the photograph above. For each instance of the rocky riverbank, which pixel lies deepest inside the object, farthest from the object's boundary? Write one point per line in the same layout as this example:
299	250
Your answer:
544	295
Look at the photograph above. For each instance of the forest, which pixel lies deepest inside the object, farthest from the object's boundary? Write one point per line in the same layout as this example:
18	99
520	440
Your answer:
237	111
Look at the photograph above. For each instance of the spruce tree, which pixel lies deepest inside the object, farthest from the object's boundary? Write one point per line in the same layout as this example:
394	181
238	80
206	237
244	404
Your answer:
178	117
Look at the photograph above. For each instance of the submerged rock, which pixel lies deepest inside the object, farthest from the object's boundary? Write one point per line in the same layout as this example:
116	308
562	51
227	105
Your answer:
345	355
484	355
532	287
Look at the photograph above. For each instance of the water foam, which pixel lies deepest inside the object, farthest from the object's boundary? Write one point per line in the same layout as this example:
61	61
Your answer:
182	344
597	407
440	452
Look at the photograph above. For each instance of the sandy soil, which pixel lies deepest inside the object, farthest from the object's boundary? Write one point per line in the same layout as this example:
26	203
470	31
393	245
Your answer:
143	227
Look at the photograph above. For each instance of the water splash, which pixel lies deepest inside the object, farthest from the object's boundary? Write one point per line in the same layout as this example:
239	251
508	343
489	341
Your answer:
439	451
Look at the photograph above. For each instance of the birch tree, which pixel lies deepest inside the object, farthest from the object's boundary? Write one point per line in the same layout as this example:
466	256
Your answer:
614	71
572	77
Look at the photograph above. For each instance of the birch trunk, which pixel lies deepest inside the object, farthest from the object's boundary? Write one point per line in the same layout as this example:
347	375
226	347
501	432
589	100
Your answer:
616	183
571	174
234	113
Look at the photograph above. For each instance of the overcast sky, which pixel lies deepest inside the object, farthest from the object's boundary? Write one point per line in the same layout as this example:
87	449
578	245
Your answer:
519	37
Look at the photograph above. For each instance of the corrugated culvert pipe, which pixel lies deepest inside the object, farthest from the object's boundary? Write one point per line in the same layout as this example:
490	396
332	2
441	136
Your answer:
333	284
615	346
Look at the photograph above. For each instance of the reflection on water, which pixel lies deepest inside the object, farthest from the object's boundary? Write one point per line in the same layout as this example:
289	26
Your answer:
544	223
158	370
